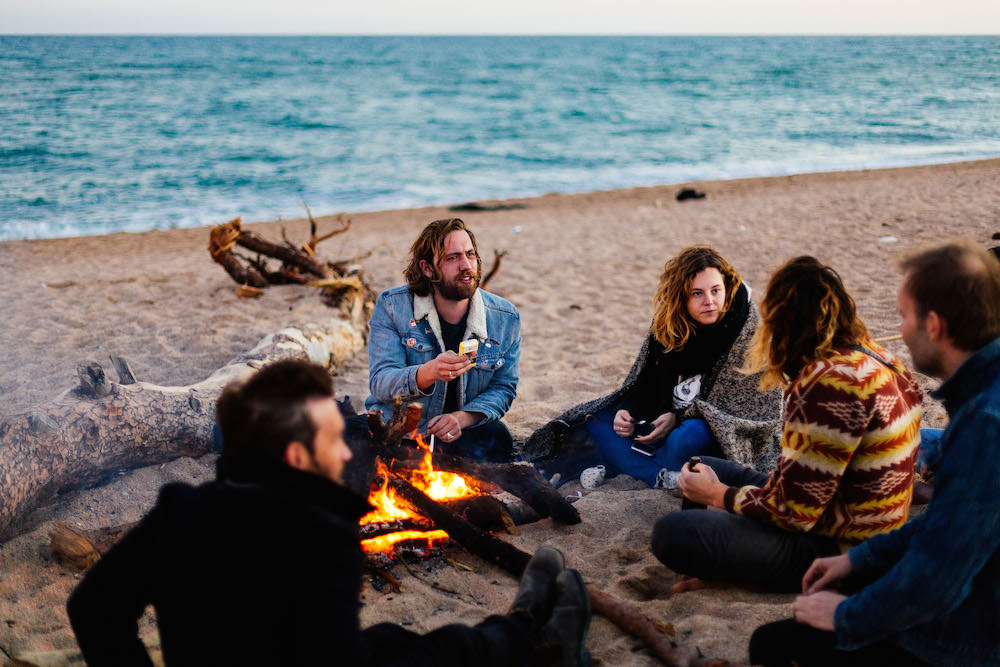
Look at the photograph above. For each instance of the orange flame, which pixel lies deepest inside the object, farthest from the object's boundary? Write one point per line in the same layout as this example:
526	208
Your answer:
437	485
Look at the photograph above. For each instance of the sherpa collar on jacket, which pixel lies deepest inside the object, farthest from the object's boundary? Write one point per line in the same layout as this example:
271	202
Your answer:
475	324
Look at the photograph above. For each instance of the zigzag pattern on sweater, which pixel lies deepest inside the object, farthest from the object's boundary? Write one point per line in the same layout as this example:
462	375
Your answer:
848	450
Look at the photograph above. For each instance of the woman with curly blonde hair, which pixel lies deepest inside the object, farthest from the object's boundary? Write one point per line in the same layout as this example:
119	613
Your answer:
684	395
848	446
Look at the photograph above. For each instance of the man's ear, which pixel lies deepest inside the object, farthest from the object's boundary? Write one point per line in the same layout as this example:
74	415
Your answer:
936	327
297	456
427	269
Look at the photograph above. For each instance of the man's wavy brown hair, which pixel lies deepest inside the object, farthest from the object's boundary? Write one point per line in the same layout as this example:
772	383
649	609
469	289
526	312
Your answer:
429	247
672	325
805	314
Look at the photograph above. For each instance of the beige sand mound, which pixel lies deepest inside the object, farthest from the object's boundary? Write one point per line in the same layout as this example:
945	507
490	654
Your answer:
582	270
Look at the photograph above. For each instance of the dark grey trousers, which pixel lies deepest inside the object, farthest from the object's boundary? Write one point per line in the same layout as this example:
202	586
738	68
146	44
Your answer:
713	544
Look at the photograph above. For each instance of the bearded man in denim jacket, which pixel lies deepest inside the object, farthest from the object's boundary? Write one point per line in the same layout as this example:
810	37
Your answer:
413	346
928	593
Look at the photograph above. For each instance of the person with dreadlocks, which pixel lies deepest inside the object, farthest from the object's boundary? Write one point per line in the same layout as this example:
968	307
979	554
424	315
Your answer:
848	447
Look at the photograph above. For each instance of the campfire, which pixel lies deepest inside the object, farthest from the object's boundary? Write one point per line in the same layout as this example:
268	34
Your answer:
423	498
402	521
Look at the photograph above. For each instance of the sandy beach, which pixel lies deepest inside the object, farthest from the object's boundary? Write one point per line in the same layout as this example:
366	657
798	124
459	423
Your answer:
581	269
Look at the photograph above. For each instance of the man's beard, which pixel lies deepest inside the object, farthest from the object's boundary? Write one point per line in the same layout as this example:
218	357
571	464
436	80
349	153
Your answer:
456	290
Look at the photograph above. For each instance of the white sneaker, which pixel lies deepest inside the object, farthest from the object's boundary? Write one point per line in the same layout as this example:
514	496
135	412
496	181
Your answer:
591	478
667	479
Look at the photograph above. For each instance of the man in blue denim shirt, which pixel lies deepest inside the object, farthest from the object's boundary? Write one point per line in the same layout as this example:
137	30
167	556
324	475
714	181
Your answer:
928	593
413	346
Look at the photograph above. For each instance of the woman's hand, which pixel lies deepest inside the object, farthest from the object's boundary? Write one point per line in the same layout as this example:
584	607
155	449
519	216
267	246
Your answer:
662	426
446	366
623	424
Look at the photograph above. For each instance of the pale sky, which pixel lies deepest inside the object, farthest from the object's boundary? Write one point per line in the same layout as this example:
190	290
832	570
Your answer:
504	17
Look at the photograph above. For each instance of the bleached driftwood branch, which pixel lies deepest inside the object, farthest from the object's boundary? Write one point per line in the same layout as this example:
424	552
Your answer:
102	426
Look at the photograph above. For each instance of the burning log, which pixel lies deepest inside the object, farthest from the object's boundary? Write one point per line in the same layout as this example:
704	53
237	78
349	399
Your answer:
473	539
380	528
522	480
484	512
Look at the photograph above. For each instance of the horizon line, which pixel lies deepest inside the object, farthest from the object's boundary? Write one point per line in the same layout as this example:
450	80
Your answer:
474	34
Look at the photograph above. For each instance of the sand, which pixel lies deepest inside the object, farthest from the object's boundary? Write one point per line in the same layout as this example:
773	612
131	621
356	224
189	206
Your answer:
582	270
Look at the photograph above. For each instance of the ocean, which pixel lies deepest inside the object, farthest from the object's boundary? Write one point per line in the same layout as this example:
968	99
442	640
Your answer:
106	134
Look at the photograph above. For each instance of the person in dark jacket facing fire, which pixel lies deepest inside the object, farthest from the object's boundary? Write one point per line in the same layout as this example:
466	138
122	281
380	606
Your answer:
263	565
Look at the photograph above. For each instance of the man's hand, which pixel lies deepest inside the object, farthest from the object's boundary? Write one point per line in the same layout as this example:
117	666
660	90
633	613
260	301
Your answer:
825	572
818	609
448	427
446	366
702	485
662	426
623	424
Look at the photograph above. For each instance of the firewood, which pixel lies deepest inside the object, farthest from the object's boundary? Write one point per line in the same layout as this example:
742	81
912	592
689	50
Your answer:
637	624
403	422
474	540
522	480
370	530
484	512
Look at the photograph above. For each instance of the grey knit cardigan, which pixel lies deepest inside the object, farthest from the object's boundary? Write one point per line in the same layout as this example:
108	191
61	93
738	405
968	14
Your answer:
745	421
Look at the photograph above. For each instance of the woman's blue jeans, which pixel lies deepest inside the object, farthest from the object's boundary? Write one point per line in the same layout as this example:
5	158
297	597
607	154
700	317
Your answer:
691	437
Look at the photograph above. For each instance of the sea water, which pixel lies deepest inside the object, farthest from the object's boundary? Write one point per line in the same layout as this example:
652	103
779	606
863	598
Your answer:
103	134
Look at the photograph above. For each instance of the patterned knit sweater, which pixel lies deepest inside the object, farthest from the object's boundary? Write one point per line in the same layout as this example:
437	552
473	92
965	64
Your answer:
848	447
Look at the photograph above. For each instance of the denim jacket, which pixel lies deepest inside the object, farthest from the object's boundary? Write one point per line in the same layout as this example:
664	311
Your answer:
406	332
937	594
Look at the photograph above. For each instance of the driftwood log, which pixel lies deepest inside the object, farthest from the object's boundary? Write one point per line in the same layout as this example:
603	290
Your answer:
512	560
103	426
299	264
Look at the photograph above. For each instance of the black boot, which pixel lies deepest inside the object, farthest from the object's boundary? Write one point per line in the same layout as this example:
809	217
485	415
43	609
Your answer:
562	640
537	595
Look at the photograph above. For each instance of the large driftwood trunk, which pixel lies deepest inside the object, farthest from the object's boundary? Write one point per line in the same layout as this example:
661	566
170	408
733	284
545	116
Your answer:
103	426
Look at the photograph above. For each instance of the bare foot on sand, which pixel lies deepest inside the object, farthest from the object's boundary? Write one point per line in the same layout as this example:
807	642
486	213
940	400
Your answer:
694	584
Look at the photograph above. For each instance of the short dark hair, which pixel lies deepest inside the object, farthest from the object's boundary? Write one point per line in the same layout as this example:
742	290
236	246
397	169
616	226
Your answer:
429	247
960	282
259	417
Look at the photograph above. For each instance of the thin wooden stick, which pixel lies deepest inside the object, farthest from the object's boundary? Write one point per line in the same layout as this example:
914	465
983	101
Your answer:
888	338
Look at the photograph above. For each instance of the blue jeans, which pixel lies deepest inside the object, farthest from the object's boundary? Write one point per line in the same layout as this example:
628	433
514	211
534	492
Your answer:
691	437
710	544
